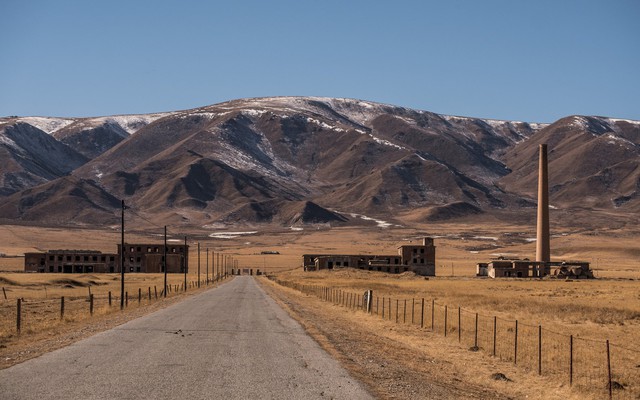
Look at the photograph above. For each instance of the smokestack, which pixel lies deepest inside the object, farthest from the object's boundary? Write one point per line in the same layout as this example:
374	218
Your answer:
543	252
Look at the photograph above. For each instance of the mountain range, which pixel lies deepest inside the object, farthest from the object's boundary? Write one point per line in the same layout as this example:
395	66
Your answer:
299	160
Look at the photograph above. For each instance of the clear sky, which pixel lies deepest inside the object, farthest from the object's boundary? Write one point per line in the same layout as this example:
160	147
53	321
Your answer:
533	61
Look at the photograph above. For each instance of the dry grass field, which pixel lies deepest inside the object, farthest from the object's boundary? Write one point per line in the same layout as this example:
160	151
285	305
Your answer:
607	308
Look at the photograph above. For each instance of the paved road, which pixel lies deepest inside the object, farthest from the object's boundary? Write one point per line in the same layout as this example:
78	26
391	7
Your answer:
232	342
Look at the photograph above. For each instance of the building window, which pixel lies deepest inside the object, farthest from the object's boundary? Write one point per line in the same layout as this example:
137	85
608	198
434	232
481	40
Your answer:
415	251
415	260
59	258
68	258
51	258
181	250
112	258
139	248
138	259
346	263
130	259
131	250
103	258
148	249
77	258
95	258
422	261
173	250
422	251
155	249
85	258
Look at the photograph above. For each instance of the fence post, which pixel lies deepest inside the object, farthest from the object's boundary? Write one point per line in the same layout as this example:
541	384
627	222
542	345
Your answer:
515	345
126	298
459	320
404	312
495	326
433	313
383	307
609	370
139	295
571	360
377	298
4	292
62	307
445	320
109	298
397	306
422	314
18	316
475	338
539	349
149	293
91	304
155	289
413	310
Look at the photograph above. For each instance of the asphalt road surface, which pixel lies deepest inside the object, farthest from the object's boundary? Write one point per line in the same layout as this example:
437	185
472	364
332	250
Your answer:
232	342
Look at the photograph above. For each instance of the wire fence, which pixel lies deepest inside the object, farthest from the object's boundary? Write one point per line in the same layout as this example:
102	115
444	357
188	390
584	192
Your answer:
595	366
24	316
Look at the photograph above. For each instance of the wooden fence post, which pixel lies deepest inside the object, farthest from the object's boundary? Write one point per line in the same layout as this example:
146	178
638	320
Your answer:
571	360
155	289
109	298
4	292
397	306
459	320
18	314
539	349
139	295
422	314
609	370
495	326
91	304
433	313
475	338
149	293
383	307
404	312
126	298
515	345
413	310
62	307
445	320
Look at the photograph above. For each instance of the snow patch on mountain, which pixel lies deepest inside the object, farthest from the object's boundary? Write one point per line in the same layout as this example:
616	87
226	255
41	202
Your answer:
46	124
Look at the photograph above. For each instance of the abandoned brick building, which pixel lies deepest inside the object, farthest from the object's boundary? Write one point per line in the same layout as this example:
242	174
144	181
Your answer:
137	258
417	258
149	257
71	261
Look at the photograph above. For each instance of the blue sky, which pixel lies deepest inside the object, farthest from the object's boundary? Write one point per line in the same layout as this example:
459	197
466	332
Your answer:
533	61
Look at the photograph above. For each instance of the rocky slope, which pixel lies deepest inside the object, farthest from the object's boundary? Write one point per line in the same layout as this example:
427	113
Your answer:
290	160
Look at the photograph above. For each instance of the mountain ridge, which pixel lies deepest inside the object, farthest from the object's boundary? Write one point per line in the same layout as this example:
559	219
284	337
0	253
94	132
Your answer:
253	159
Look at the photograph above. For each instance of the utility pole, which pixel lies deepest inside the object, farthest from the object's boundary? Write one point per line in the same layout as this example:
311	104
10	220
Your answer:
122	260
164	261
186	260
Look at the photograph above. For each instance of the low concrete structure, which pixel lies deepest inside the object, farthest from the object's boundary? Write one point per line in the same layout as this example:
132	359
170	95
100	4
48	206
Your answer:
418	258
516	268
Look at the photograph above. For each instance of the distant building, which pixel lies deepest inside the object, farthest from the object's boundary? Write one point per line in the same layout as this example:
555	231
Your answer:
137	258
149	257
419	258
71	261
516	268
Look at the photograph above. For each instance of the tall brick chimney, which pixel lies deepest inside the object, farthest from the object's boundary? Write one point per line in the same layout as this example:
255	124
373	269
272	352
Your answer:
543	252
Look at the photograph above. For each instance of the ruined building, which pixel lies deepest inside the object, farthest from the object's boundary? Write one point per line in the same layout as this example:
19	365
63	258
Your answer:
418	258
137	258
